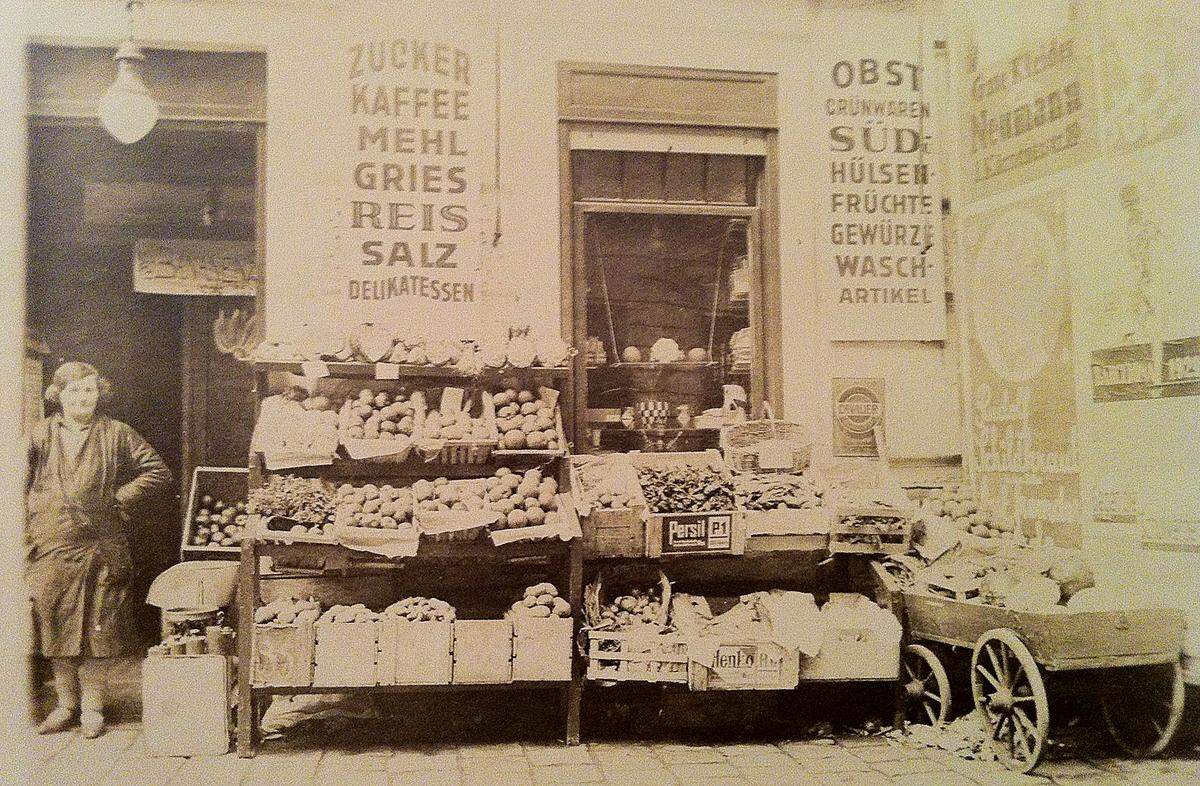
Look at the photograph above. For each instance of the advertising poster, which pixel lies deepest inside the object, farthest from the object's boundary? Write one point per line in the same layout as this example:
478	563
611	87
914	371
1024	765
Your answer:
879	233
857	410
1021	397
1029	113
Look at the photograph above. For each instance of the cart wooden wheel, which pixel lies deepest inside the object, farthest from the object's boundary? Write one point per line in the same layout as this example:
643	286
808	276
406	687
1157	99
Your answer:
1143	709
1009	693
926	686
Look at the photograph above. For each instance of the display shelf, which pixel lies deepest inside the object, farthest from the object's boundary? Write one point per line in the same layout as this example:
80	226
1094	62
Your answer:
362	370
562	561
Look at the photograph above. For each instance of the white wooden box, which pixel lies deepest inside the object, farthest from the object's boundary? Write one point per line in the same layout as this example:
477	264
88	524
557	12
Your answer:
483	651
415	653
185	705
346	653
542	648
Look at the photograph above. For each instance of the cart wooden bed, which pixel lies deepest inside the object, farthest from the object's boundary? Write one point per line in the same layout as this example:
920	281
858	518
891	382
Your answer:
1013	653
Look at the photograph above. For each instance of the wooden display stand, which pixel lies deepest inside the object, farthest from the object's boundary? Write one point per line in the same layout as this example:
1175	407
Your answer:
390	655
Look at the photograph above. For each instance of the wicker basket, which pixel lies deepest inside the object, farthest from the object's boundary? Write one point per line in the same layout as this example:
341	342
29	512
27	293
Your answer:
624	576
744	443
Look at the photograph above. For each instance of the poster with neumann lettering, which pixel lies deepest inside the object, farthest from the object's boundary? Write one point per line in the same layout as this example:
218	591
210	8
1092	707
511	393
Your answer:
879	237
411	132
1024	452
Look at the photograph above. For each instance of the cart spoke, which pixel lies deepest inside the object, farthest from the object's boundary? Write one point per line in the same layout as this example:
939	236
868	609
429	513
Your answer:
995	659
1000	724
1025	747
932	715
1018	673
1027	725
1158	727
1023	699
983	670
934	696
912	675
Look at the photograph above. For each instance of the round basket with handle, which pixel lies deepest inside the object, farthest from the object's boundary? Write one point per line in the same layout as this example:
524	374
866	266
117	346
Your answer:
620	578
746	443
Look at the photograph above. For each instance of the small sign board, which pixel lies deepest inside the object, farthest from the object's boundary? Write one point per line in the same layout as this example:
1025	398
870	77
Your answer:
1122	373
195	267
742	665
696	533
857	410
1181	367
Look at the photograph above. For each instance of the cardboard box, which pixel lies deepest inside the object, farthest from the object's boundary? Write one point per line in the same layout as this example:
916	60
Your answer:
345	653
282	655
185	705
542	648
483	652
741	664
854	654
415	653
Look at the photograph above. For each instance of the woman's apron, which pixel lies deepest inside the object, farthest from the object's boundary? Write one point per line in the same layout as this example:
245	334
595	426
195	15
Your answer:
79	567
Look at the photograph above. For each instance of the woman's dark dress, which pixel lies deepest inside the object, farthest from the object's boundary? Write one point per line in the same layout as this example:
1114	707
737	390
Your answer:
79	564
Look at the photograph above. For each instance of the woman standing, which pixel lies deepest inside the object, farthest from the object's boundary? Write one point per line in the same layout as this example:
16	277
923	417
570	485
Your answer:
87	474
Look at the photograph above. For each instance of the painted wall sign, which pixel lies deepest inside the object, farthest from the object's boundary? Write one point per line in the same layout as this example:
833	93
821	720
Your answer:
1029	114
879	238
1021	407
1122	373
195	267
857	410
409	214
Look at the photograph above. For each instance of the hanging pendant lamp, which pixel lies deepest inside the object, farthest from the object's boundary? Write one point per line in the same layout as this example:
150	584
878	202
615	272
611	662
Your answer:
127	110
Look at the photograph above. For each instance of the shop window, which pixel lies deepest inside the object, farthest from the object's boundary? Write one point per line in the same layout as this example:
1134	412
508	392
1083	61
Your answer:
670	233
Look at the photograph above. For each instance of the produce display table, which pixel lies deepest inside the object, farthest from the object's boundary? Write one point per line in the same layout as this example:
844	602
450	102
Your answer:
563	558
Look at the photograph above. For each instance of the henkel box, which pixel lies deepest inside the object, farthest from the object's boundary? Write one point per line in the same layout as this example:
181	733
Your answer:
741	664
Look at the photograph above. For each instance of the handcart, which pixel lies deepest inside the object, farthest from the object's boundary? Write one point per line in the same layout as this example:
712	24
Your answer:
1130	658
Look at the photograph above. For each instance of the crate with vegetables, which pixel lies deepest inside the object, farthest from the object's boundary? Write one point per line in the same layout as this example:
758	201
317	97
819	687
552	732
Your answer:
543	630
690	504
282	643
628	638
871	521
459	426
416	642
783	509
528	420
216	518
611	507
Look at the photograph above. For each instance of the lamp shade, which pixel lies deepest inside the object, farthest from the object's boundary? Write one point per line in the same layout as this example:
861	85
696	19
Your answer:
127	111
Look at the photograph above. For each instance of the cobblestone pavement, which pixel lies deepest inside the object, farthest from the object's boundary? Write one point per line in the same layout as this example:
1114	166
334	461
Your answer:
120	757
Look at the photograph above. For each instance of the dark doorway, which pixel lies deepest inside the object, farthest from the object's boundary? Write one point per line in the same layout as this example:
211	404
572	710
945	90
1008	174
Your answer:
90	200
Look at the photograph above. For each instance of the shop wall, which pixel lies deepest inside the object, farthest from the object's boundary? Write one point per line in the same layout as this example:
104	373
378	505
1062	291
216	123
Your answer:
1123	240
521	270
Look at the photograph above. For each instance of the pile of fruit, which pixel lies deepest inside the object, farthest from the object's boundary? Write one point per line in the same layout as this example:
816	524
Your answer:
961	506
527	500
432	496
293	504
421	610
541	600
685	488
344	614
525	419
780	491
374	507
218	523
639	607
382	415
457	426
287	611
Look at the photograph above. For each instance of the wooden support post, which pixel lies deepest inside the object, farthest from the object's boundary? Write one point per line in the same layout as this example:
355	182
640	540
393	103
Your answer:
574	692
247	723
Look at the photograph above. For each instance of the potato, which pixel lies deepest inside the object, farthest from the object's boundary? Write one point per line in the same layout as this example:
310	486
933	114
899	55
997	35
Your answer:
545	599
560	608
539	611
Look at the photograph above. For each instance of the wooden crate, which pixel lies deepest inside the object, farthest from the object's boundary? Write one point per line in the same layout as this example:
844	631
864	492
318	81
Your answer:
610	532
637	657
346	653
699	533
229	484
844	537
282	655
741	664
185	705
415	653
853	655
483	652
464	451
542	648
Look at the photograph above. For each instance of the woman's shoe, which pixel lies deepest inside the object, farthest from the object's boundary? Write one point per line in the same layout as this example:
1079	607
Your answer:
59	719
91	723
